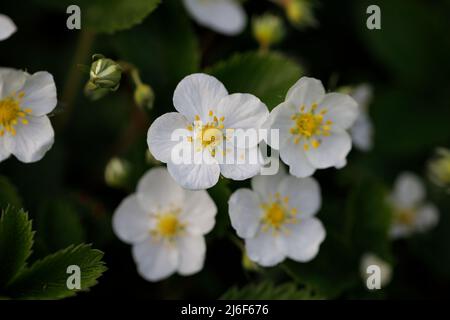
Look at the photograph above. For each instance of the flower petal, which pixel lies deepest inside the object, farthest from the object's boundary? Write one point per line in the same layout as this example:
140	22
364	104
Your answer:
162	134
265	249
304	239
331	151
158	191
294	156
192	252
130	222
40	93
197	94
32	140
7	27
427	217
280	119
11	81
306	91
156	260
268	185
245	212
303	194
223	16
408	191
341	109
245	164
362	132
199	212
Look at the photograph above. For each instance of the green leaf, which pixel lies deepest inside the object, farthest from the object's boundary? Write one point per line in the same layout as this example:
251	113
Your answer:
266	75
269	291
8	194
46	278
16	240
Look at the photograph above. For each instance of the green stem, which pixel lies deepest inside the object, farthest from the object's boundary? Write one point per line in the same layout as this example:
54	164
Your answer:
290	273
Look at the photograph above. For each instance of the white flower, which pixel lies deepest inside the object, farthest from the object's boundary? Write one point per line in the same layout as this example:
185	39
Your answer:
370	259
165	224
276	218
207	115
223	16
7	27
312	127
411	213
362	130
25	101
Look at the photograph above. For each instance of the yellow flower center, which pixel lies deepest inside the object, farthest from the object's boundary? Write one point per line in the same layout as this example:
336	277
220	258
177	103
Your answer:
208	135
309	126
11	114
277	214
405	217
168	225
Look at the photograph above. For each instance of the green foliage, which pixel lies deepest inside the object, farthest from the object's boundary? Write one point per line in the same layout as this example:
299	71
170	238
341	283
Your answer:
266	75
8	194
268	291
16	240
46	279
221	193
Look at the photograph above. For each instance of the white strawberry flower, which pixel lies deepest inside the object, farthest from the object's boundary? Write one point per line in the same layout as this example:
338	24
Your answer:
25	101
209	119
165	224
362	129
313	127
223	16
411	214
7	27
276	218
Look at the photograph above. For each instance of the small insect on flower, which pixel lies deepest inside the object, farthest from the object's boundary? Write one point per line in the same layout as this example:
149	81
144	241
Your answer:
166	225
313	127
223	16
439	169
213	127
276	218
25	101
7	27
411	214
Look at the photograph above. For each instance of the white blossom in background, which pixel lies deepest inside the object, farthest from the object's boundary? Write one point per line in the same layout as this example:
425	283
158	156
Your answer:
25	101
362	129
209	119
276	218
165	224
223	16
411	214
369	259
313	127
7	27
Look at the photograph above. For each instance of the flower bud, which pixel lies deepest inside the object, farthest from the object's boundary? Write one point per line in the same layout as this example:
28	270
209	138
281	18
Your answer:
299	12
439	169
105	73
144	96
267	29
117	172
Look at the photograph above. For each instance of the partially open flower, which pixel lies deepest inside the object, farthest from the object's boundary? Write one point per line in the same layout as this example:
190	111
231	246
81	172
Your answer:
7	27
439	169
105	73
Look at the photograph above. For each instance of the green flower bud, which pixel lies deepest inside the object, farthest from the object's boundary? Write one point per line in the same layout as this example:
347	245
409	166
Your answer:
267	30
93	92
299	12
105	73
117	172
439	169
144	96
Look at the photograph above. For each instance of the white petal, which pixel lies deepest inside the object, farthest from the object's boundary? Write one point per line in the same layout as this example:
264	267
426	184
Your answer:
267	185
199	212
157	191
242	111
245	212
4	153
306	91
398	231
362	95
11	81
303	194
408	191
161	139
156	260
304	238
40	93
223	16
265	249
197	94
32	141
427	217
331	151
246	164
7	27
195	176
362	132
294	156
130	222
192	254
280	119
341	109
341	164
